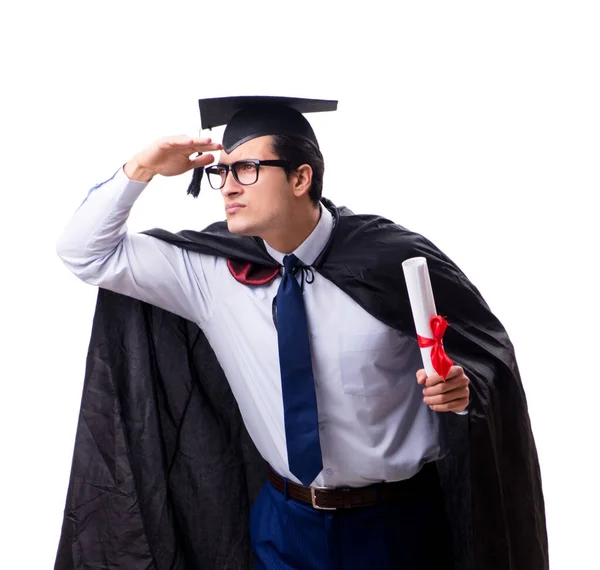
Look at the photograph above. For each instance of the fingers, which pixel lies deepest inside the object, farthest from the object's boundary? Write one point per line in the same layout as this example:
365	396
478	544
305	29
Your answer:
202	160
432	380
184	144
435	379
460	393
442	387
449	396
454	406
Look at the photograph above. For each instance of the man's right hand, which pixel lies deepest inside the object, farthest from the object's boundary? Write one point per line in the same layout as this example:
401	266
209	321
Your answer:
170	156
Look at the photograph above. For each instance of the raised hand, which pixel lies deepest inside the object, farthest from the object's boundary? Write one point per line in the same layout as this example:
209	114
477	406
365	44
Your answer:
170	156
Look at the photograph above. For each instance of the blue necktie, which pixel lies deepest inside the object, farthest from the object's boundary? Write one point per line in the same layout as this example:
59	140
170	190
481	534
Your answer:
297	379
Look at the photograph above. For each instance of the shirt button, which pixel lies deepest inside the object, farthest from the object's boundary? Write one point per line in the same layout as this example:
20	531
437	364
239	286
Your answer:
328	471
322	427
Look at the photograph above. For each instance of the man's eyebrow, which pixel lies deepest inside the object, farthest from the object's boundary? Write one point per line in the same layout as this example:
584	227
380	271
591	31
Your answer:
222	163
223	160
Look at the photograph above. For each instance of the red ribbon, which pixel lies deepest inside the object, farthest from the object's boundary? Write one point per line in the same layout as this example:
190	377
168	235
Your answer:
440	360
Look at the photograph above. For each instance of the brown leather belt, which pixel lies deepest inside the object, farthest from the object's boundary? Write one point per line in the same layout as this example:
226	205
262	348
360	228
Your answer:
353	497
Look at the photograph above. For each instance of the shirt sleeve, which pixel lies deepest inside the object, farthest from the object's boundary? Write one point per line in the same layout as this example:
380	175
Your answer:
97	248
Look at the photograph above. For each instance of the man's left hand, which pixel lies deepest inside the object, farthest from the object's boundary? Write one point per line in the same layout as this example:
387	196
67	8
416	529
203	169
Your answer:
449	396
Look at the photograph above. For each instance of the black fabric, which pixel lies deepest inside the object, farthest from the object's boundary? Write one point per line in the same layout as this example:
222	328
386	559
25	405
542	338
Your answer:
163	471
248	117
129	507
197	174
262	120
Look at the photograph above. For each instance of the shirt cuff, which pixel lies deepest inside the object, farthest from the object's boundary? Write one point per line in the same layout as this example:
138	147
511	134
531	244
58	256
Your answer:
130	189
118	189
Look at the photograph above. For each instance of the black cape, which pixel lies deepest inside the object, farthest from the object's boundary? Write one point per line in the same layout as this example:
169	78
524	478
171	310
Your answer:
164	472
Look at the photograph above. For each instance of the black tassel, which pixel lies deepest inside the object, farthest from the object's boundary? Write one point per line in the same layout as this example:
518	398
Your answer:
194	187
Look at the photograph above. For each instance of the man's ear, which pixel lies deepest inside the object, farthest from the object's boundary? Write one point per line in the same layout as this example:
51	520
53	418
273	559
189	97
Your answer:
302	178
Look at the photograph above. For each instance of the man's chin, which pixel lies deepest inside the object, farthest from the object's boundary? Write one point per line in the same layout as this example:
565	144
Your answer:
236	227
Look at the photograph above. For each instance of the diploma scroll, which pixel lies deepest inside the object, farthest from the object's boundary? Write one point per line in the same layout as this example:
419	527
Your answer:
420	295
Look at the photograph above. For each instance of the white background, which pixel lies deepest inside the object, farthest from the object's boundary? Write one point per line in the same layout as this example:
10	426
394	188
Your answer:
475	123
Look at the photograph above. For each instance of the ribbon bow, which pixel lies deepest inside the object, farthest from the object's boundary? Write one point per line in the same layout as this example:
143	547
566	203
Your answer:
439	359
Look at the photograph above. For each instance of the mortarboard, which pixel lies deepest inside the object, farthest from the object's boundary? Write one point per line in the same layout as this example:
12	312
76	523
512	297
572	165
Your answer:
249	117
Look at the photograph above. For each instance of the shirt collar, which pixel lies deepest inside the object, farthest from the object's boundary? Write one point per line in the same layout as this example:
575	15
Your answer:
308	251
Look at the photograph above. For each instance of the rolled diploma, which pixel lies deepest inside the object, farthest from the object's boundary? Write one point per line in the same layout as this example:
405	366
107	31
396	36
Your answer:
422	303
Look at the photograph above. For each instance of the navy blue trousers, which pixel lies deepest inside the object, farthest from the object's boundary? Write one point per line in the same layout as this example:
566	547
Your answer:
406	535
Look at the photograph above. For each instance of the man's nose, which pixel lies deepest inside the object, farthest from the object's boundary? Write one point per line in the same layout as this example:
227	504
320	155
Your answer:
231	187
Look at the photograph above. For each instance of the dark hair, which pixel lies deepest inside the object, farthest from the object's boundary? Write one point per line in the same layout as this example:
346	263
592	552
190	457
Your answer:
298	151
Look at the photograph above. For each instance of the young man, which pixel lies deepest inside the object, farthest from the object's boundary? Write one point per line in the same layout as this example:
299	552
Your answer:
304	308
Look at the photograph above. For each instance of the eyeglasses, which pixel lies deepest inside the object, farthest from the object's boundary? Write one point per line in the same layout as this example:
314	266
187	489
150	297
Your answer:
245	172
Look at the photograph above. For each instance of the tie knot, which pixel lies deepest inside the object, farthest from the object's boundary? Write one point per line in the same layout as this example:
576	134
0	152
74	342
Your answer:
290	262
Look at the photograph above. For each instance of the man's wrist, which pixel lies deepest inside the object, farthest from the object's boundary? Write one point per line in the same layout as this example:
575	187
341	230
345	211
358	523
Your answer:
134	171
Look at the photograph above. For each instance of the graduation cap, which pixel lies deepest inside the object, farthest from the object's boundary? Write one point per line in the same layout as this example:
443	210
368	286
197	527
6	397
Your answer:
249	117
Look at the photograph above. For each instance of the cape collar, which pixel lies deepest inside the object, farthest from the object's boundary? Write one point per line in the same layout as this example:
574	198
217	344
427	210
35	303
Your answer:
247	257
311	252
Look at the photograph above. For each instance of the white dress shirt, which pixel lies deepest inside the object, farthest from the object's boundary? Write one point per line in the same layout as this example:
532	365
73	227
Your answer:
374	425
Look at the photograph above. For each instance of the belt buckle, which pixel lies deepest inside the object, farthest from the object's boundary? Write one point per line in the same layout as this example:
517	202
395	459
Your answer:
313	499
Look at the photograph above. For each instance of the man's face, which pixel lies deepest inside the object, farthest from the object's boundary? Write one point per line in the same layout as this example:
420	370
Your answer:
262	207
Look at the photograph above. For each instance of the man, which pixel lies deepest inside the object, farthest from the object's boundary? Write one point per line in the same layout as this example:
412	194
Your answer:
328	381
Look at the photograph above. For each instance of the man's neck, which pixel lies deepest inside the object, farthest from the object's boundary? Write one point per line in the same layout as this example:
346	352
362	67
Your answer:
295	232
